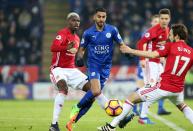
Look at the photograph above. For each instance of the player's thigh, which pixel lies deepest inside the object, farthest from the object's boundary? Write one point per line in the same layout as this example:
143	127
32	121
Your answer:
58	74
77	79
104	75
151	94
94	78
177	98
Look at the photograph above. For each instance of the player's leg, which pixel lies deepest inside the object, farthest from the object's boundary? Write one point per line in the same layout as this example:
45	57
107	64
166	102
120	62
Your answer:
161	109
179	102
61	85
149	80
88	105
77	81
142	94
140	84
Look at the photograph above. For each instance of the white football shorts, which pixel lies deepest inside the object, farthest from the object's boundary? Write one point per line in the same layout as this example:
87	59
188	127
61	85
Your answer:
155	93
73	77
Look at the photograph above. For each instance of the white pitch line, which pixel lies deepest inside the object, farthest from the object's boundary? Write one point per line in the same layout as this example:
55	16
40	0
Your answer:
167	122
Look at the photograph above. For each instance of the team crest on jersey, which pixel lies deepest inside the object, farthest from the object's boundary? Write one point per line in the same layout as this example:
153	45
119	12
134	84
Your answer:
147	35
108	35
58	37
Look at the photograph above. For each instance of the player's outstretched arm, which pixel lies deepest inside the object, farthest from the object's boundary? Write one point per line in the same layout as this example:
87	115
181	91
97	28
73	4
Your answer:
79	57
147	54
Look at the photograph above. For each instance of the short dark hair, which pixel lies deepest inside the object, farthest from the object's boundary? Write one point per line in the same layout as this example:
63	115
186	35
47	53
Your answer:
180	30
155	16
165	11
100	9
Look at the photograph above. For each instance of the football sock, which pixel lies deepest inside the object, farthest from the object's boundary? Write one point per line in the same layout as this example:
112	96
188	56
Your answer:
160	104
127	106
58	104
102	100
135	108
144	109
87	98
84	110
188	112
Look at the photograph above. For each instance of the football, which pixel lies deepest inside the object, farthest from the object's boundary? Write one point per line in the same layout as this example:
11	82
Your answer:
113	107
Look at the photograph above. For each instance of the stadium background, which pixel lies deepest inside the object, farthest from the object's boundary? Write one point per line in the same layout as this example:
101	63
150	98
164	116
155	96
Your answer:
27	28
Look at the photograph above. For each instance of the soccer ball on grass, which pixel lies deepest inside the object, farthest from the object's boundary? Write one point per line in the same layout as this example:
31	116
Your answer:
113	107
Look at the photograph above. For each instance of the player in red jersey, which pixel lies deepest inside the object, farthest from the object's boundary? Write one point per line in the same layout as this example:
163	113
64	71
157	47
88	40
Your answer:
153	67
63	73
179	60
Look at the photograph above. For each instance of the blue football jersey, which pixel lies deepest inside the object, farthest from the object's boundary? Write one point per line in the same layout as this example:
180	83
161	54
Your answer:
99	44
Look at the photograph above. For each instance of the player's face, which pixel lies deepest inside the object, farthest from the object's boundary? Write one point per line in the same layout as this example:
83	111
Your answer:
154	21
74	23
171	36
164	20
100	18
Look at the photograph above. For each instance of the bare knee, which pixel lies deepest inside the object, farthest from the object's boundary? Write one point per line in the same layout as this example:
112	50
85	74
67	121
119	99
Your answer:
96	92
134	98
181	106
62	86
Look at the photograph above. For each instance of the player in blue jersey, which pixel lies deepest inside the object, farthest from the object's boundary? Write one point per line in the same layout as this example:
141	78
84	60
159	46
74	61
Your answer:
98	41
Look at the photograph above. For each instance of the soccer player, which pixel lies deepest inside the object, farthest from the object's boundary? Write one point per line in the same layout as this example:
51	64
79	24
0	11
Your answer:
179	60
142	72
98	40
153	68
151	40
63	73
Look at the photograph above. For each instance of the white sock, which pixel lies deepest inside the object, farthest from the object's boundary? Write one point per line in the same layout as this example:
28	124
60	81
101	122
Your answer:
127	106
188	112
102	100
58	104
144	109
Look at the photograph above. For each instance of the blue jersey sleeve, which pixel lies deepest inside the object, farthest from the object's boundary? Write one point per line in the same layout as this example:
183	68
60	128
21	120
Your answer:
84	41
117	36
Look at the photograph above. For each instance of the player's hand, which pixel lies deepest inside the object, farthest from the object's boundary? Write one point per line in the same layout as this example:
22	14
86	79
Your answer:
72	50
79	61
125	49
70	45
161	42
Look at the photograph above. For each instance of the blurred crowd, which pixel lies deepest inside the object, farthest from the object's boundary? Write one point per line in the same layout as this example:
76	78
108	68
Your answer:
132	17
21	32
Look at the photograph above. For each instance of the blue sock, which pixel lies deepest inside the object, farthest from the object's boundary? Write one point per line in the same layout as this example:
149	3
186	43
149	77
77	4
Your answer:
87	98
135	108
84	110
160	104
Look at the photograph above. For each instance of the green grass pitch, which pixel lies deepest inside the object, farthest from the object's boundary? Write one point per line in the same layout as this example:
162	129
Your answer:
37	115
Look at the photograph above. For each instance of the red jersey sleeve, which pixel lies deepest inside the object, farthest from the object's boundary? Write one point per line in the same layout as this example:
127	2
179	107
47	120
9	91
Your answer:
147	37
59	43
164	49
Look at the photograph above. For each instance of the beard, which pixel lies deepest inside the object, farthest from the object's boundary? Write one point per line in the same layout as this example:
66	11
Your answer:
100	24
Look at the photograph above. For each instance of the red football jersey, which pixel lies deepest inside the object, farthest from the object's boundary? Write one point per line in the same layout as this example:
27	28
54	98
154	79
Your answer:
179	60
60	56
152	37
